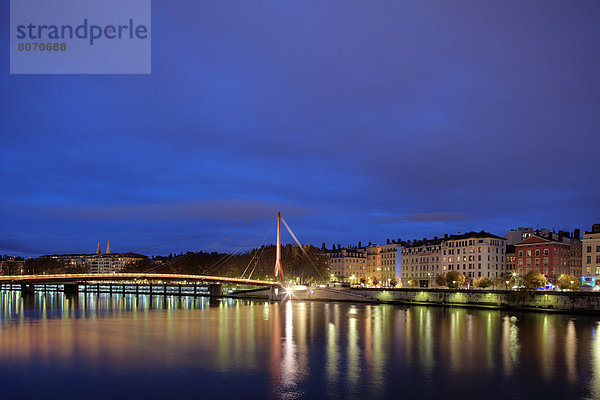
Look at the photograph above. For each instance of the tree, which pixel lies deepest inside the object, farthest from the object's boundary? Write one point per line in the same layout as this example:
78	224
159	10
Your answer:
375	281
393	282
506	280
483	282
440	280
564	282
455	279
534	279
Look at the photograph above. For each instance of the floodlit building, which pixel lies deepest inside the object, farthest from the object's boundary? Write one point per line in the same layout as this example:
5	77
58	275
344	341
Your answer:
550	254
107	263
347	265
421	262
100	263
390	256
475	255
373	271
590	255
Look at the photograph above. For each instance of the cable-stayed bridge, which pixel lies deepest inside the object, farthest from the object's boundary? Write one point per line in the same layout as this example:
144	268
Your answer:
71	282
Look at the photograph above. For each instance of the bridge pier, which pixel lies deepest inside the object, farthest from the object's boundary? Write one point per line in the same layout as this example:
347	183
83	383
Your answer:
71	288
215	290
27	288
275	294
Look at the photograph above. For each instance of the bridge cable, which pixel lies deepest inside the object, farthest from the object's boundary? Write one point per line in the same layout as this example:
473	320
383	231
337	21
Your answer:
227	257
178	259
200	234
300	244
255	253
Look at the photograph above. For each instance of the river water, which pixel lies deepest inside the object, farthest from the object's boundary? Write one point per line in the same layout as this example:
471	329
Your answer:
94	346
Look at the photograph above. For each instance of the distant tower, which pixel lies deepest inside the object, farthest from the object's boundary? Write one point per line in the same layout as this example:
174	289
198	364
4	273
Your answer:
98	249
107	246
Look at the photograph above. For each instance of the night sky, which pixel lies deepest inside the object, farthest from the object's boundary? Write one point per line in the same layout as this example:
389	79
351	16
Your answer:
359	120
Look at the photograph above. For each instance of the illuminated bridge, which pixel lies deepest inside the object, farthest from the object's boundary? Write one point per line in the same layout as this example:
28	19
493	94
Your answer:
145	282
133	283
83	278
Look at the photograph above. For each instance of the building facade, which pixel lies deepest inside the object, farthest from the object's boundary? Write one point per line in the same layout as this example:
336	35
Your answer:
373	270
347	265
475	255
421	263
510	258
590	255
389	259
100	263
549	255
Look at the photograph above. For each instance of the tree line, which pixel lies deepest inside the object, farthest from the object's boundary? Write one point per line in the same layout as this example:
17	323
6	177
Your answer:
256	264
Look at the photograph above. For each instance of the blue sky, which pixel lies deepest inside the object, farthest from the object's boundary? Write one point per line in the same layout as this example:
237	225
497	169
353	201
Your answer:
358	120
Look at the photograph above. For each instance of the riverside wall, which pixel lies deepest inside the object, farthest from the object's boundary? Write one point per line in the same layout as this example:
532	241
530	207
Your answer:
580	302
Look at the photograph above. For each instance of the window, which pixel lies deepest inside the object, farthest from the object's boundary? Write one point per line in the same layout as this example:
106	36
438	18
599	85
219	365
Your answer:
597	259
528	253
546	261
528	262
520	262
545	252
597	249
589	249
520	253
537	252
589	259
537	262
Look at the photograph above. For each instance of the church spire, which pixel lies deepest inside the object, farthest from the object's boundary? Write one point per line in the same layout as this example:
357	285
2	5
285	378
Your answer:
98	249
108	246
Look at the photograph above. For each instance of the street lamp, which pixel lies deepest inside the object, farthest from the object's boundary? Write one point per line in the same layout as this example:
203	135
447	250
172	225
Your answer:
506	285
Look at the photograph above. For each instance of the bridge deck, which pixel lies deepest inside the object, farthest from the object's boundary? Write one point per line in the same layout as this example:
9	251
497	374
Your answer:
73	278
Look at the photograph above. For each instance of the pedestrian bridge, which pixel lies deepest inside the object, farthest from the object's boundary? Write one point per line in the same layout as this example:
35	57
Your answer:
112	277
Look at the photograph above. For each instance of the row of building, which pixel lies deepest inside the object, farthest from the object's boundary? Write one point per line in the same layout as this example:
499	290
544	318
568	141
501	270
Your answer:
473	254
97	263
100	263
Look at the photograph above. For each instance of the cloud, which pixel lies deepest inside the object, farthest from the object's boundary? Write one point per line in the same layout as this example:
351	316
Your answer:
219	210
426	217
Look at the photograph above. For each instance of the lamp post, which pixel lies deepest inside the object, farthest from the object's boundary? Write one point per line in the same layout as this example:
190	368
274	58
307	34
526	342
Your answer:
506	285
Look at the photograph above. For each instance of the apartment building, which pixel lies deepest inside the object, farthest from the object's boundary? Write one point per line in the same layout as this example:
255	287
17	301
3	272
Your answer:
347	265
590	254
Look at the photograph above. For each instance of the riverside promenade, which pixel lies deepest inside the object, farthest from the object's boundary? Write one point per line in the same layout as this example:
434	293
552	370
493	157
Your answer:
580	302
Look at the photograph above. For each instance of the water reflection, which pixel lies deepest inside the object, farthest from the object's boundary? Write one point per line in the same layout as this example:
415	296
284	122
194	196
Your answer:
297	349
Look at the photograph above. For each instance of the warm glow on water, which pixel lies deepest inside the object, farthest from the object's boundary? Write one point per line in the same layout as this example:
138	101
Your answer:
97	347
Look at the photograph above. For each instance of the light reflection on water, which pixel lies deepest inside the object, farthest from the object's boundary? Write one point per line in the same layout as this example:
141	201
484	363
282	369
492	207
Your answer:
144	347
